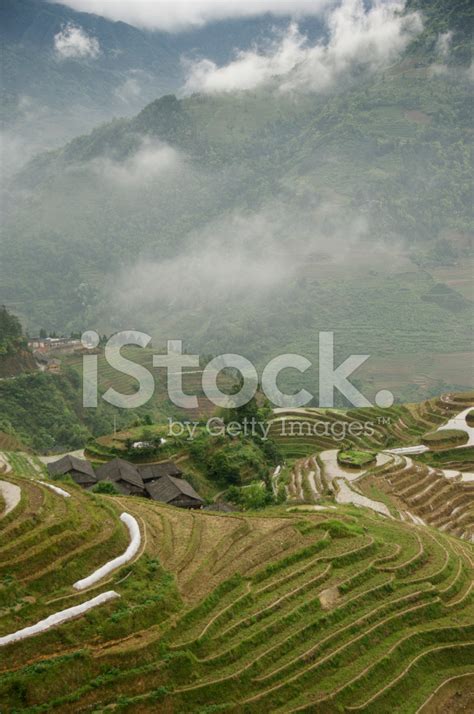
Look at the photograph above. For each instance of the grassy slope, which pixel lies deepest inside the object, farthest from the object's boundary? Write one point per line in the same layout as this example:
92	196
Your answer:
225	610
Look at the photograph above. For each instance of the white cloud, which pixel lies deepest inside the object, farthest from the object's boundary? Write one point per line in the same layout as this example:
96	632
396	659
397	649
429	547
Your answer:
356	38
443	44
152	160
175	15
241	255
129	90
249	69
72	42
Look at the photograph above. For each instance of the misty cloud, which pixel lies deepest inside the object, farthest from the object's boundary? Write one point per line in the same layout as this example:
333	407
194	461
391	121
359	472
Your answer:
443	44
241	255
356	38
177	15
72	42
151	161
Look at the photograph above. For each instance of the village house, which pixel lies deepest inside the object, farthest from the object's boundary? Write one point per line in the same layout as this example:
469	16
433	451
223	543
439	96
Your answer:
79	470
62	345
153	472
123	475
53	366
47	364
164	482
175	492
160	482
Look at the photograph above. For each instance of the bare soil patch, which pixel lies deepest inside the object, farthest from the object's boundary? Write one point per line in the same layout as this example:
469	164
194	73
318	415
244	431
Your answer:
329	598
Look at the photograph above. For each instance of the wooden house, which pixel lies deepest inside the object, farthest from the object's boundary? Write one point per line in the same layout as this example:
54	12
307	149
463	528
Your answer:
124	475
153	472
174	491
81	471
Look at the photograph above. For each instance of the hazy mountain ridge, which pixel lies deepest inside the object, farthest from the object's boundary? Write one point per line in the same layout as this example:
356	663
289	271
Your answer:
215	217
131	65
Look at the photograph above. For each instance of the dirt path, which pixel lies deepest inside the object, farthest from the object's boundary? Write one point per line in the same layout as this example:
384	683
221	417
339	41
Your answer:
11	495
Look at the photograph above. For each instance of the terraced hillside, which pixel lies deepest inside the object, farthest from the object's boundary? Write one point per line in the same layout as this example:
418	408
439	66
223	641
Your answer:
300	432
336	609
395	483
109	377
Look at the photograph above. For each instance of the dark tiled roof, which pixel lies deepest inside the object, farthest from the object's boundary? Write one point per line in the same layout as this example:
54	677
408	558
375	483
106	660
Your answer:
83	479
220	507
70	463
120	470
167	488
152	472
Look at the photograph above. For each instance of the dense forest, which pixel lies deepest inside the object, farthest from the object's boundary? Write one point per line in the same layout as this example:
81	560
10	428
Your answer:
11	335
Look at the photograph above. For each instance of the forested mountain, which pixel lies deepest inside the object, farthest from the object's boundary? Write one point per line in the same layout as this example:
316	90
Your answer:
265	212
63	71
14	355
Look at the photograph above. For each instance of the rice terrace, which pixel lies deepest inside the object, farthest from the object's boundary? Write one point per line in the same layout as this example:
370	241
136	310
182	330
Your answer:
354	594
236	357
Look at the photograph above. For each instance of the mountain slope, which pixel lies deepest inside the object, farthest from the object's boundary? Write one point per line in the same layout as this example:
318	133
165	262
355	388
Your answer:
122	70
336	210
310	611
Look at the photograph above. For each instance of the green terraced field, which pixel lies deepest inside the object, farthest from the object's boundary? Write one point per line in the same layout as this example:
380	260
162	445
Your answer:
301	432
325	611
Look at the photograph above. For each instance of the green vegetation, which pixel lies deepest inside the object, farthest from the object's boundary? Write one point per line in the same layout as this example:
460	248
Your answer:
445	438
11	334
252	497
273	610
106	488
14	355
355	459
370	429
44	411
461	458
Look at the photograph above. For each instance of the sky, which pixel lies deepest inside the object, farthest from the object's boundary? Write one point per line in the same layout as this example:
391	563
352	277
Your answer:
176	15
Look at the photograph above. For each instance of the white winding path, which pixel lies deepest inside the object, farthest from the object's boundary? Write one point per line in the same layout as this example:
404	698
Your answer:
11	494
132	550
58	618
56	489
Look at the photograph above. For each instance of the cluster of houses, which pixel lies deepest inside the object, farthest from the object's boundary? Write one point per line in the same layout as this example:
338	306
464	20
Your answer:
54	344
161	481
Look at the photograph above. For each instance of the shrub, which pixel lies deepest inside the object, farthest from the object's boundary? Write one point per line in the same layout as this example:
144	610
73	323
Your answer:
355	459
105	487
